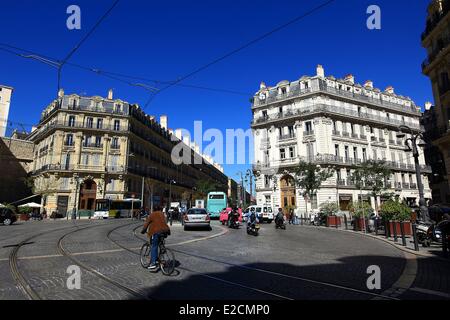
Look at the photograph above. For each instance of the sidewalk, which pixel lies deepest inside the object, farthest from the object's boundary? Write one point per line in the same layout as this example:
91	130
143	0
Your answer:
434	251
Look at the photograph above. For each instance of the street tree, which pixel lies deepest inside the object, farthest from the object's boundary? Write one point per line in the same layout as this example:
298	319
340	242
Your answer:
204	187
309	178
371	174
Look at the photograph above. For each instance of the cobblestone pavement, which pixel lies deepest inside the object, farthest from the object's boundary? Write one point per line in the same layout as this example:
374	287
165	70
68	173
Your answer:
298	263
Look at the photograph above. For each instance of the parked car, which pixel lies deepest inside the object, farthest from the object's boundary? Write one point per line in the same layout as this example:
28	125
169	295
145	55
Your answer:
197	218
7	216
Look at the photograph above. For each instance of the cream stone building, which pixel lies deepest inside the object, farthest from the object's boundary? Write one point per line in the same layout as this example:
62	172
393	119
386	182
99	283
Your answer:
5	101
436	39
334	123
90	148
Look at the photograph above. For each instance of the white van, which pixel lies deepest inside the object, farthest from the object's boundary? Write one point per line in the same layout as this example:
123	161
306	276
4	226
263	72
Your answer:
264	212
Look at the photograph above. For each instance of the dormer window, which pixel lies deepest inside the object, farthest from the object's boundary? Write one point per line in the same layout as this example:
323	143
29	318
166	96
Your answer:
283	90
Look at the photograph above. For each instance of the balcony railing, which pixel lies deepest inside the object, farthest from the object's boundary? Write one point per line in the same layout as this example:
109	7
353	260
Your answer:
330	159
336	133
345	134
434	54
355	135
297	92
363	137
413	186
332	110
308	133
287	137
115	147
92	145
405	185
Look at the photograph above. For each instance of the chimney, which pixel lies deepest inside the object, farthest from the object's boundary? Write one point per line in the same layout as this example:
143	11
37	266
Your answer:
61	93
170	131
350	78
368	84
428	105
178	134
390	90
262	85
110	94
33	128
320	72
163	121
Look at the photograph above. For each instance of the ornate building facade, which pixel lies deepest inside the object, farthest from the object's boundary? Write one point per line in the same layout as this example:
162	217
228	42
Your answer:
436	39
334	123
89	148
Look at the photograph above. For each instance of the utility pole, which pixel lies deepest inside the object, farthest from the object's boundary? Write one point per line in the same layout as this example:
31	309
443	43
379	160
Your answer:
250	175
424	215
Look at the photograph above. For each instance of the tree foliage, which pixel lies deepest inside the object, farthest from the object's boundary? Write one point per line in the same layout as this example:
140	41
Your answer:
360	209
395	210
309	177
203	187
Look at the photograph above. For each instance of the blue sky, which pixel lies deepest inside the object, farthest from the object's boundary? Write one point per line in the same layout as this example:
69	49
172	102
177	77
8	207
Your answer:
166	40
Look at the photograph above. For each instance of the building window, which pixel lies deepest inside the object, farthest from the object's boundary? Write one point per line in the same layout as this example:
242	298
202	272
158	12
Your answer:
268	200
355	153
336	150
308	126
116	125
310	151
375	154
291	152
364	154
282	153
69	140
99	123
71	121
115	143
98	141
347	155
266	181
89	122
314	202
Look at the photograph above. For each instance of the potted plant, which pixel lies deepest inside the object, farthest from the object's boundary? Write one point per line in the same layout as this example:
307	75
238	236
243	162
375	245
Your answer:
397	213
360	212
328	213
24	213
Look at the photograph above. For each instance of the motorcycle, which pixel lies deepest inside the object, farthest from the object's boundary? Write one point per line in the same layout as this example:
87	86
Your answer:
427	233
253	229
233	223
279	223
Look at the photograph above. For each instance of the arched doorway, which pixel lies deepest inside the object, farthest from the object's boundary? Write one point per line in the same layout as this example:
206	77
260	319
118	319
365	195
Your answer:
88	194
287	187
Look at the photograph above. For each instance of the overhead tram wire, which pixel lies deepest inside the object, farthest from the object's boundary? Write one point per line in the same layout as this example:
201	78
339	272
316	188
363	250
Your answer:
91	31
108	74
248	44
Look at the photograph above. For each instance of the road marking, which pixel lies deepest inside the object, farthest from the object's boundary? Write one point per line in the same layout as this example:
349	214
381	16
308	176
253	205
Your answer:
432	292
116	250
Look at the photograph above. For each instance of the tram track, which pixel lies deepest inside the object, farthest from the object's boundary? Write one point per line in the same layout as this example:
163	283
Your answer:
267	272
21	282
63	251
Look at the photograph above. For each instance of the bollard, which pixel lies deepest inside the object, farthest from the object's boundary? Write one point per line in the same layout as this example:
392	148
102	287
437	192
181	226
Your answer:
444	243
387	231
338	219
394	228
402	232
416	242
345	221
375	222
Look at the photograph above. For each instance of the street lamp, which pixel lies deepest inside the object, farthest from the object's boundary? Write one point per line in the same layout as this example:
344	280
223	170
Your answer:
417	140
78	181
250	176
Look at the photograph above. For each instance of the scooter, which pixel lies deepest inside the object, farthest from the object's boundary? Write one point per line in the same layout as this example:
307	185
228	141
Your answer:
427	233
253	229
233	223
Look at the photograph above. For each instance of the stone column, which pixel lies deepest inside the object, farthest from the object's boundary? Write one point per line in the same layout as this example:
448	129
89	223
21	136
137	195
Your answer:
106	144
78	143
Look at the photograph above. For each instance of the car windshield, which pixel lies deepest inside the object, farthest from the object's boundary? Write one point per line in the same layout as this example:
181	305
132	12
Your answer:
196	211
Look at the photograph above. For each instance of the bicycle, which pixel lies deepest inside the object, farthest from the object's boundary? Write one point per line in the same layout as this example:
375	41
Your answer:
166	257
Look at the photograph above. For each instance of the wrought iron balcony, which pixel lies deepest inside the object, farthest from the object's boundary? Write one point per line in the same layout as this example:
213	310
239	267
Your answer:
287	137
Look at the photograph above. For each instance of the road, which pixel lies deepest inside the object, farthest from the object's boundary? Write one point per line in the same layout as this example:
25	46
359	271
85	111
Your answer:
300	263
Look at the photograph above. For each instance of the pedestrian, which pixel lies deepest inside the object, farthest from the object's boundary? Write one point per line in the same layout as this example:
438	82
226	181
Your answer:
291	216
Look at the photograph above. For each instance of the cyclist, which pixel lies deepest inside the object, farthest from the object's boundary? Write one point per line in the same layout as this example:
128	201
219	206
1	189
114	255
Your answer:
155	225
